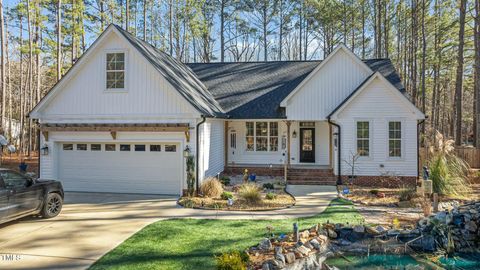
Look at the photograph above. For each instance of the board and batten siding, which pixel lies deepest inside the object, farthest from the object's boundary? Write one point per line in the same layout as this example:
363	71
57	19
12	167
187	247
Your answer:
240	156
327	88
378	105
147	97
212	148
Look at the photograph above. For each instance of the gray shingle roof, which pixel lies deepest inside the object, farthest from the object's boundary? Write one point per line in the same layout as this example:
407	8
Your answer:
255	89
179	75
252	89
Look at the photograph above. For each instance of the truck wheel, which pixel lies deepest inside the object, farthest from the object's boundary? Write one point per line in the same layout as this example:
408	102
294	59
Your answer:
52	205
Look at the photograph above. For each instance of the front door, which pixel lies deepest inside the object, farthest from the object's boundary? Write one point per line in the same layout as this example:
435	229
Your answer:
307	145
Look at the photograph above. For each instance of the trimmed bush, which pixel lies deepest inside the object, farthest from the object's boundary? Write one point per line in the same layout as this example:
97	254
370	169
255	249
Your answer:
232	261
406	194
225	180
211	187
227	195
250	193
374	192
188	203
270	196
268	186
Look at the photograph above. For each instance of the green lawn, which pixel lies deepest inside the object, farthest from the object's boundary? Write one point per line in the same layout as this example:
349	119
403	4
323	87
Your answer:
192	243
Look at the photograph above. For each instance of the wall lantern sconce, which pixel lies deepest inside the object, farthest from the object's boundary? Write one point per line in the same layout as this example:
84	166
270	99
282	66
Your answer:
44	150
186	152
294	134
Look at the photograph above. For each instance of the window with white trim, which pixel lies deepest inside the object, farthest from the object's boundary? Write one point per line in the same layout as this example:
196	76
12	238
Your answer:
395	139
261	136
115	70
363	138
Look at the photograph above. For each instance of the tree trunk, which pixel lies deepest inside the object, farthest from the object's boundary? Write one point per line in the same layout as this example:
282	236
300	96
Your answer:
3	51
127	15
102	15
59	39
424	56
222	30
280	31
264	25
477	74
170	25
459	77
363	29
144	20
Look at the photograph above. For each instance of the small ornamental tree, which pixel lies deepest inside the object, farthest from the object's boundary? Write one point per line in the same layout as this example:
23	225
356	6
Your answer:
190	175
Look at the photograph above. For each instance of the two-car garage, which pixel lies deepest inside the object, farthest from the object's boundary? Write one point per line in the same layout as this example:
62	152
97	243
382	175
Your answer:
121	167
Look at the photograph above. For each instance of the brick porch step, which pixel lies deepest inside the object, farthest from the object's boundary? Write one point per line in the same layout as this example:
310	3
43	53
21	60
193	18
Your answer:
311	176
319	183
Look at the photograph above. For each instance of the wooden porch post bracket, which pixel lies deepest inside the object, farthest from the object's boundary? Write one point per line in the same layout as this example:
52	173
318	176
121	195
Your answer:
45	135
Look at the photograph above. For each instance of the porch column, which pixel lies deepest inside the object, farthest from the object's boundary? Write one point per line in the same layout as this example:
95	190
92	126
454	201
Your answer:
288	143
226	144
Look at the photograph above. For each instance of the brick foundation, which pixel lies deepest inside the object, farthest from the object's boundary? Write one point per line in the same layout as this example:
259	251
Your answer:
325	177
383	181
261	171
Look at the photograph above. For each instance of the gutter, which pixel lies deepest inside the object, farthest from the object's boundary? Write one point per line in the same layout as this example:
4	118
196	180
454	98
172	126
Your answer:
197	153
339	141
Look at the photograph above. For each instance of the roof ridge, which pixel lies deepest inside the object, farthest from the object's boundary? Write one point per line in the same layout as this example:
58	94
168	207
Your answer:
257	62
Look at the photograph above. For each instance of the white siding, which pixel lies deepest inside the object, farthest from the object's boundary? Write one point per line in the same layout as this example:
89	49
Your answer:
148	96
240	156
333	82
212	148
379	105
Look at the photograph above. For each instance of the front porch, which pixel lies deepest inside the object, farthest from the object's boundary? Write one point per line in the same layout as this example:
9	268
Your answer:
303	151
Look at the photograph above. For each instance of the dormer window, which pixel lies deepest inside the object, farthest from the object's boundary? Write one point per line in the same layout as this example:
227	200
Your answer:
116	71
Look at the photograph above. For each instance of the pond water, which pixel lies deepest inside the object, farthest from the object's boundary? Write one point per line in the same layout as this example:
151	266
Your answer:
402	262
378	262
462	261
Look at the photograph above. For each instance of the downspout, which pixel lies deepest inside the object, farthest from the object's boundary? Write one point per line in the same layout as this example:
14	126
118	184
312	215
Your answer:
197	152
39	147
339	141
418	146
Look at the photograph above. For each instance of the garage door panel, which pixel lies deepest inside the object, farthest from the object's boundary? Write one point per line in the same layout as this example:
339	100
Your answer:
121	171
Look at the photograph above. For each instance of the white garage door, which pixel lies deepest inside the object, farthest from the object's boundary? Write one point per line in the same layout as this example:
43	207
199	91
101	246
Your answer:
150	168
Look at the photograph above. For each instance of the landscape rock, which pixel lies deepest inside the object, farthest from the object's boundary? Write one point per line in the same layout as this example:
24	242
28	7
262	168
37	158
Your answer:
471	226
359	229
331	233
290	257
381	229
305	234
303	250
315	244
371	230
265	244
308	245
280	257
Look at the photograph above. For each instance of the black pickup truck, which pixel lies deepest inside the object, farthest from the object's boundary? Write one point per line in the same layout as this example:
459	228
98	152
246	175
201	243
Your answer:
21	196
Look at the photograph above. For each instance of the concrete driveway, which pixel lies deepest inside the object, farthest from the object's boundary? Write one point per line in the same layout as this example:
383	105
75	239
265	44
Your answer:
90	225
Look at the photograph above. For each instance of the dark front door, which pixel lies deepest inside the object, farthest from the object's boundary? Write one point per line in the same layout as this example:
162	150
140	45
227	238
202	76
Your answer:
307	145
